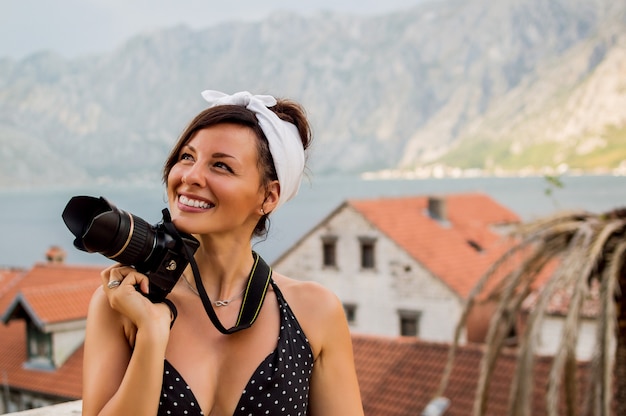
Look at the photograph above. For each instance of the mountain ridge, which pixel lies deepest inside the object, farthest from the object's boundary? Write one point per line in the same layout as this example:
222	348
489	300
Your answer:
472	85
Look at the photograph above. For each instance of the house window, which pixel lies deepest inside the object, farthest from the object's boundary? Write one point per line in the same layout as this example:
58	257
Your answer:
329	251
409	322
368	260
350	311
39	347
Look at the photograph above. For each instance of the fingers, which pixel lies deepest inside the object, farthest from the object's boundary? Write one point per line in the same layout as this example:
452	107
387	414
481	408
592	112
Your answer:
112	277
118	275
119	283
113	284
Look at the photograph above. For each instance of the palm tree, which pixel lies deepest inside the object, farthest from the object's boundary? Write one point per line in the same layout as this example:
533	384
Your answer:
589	250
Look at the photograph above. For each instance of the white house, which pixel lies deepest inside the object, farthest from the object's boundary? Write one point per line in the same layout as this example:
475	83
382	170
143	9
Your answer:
403	266
551	329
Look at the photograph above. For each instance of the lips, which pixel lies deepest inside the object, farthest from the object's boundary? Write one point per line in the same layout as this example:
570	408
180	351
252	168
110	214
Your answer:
194	203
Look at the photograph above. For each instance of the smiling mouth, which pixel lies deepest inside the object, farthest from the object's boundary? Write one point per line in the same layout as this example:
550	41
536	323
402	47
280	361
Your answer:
194	203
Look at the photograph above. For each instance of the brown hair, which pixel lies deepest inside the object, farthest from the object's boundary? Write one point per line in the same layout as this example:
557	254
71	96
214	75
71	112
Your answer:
286	110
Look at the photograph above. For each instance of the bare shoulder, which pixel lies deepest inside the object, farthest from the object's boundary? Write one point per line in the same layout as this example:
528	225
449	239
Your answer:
318	310
307	295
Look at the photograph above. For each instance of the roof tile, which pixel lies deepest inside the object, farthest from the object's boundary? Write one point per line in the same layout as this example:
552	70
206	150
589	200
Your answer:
55	293
65	381
48	278
399	376
444	247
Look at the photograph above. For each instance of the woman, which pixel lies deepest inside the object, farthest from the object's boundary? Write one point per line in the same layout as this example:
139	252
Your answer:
235	163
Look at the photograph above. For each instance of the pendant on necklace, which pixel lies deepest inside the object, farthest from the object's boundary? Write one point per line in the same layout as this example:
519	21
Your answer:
221	302
217	303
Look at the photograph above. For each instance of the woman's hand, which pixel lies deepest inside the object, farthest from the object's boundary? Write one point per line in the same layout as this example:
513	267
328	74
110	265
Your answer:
125	343
119	283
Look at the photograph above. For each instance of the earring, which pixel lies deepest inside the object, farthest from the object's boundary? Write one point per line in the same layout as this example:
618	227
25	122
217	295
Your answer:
262	211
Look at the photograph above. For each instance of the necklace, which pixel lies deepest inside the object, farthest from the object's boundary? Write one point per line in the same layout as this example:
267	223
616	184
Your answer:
224	302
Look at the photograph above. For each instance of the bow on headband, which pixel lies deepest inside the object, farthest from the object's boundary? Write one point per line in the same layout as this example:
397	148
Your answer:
283	137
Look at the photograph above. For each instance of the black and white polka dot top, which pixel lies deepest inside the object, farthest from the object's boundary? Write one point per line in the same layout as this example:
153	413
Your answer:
278	387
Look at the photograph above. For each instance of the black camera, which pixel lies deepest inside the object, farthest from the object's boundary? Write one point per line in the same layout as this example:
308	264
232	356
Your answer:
159	251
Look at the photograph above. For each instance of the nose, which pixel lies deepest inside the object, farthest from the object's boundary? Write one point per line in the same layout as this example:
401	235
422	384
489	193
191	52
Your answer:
194	175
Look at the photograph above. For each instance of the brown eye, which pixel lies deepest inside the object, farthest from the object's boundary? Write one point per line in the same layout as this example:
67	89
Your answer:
224	166
185	156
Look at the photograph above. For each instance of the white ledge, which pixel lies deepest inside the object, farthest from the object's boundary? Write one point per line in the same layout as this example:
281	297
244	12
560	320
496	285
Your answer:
65	409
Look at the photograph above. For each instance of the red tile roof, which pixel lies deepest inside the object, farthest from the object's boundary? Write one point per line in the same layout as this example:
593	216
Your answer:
8	279
65	382
58	291
559	302
399	376
49	293
58	302
444	247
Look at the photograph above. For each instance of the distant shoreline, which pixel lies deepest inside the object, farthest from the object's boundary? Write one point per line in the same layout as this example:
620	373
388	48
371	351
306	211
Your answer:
438	172
31	220
441	171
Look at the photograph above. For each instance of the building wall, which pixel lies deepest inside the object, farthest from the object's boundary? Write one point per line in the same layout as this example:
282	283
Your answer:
550	336
65	343
397	282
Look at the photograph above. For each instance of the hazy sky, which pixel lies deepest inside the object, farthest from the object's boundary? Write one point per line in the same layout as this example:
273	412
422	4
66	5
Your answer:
74	27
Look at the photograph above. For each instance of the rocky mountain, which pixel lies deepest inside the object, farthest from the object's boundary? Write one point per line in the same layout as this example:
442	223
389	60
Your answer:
509	85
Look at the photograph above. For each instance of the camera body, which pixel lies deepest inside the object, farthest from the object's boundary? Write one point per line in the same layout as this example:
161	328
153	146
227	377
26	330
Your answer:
159	251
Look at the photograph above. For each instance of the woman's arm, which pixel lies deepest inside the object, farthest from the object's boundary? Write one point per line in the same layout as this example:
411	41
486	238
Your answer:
120	379
334	386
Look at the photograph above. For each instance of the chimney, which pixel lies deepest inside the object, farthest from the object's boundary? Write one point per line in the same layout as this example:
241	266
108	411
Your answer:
437	208
55	255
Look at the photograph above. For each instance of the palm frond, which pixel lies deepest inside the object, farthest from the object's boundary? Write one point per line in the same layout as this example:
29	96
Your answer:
588	248
599	403
565	356
520	402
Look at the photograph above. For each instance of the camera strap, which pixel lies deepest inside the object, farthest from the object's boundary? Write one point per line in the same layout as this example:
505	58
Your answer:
254	294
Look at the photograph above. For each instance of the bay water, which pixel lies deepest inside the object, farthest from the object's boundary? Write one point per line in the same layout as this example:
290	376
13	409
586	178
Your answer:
30	220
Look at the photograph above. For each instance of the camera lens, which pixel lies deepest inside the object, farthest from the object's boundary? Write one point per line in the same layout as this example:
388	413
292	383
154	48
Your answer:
159	251
131	244
102	228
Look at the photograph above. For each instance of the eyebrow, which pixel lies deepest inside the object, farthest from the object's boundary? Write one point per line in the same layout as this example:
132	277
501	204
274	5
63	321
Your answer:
217	155
220	155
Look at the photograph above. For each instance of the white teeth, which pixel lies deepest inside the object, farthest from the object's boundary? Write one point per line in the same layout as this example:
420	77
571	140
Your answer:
193	202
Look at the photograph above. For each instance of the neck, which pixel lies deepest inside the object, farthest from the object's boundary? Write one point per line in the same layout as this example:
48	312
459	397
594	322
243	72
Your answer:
224	270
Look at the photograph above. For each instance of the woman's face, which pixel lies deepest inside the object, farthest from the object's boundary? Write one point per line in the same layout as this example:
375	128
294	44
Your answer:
215	186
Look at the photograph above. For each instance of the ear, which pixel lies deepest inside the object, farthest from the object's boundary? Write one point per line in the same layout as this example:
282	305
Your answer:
272	195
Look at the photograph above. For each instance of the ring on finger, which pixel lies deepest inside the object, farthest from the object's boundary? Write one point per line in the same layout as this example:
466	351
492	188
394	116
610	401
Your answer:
113	284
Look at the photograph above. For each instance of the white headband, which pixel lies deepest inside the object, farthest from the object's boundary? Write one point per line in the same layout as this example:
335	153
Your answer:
283	137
